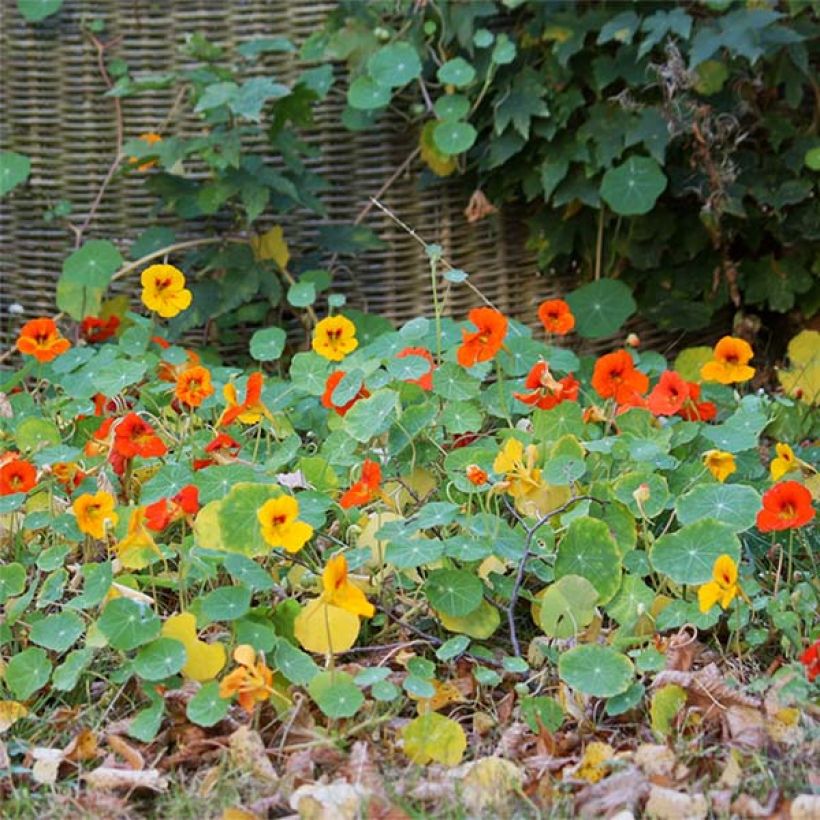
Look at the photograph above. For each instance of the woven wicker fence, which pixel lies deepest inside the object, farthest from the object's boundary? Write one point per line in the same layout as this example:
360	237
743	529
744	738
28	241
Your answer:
53	109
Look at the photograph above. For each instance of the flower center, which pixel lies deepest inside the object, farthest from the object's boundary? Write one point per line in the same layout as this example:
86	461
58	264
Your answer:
787	511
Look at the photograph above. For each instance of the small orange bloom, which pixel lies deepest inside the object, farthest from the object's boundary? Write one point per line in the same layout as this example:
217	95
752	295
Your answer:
556	317
483	344
252	681
366	489
222	449
811	660
249	411
694	410
331	384
477	476
68	473
425	382
135	437
95	330
151	139
194	386
338	591
786	506
167	510
730	362
41	338
17	476
669	394
547	392
615	377
92	512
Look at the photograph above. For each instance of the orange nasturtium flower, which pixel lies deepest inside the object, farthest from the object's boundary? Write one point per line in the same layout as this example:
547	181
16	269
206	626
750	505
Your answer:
338	591
669	395
222	449
134	550
786	506
476	476
366	489
785	462
17	476
135	437
41	338
722	588
331	384
249	411
556	316
194	386
167	510
719	463
164	291
252	681
151	138
94	330
92	511
334	337
547	391
730	362
616	377
280	525
483	344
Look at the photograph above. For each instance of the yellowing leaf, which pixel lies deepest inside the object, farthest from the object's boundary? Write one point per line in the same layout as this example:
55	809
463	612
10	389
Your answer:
325	629
593	765
802	380
666	703
478	624
441	165
10	712
272	245
367	538
82	747
690	360
205	660
434	737
206	527
446	693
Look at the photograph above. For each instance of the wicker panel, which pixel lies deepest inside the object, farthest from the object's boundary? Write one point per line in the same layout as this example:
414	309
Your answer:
53	108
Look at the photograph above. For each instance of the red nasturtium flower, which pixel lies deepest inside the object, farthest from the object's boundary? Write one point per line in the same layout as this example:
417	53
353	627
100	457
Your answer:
41	338
694	410
615	377
17	476
331	384
251	410
669	395
167	510
483	344
811	660
366	488
786	506
556	316
425	382
135	437
194	386
222	449
547	391
477	476
93	329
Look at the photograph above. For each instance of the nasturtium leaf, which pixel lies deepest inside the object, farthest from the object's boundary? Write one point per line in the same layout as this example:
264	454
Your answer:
461	417
690	360
261	636
633	187
454	137
10	503
740	432
652	483
385	691
14	170
294	664
451	107
371	416
504	51
563	470
166	482
688	555
203	660
146	723
432	736
27	672
812	158
206	708
348	388
127	624
634	599
802	379
587	549
67	674
238	523
596	670
96	583
452	382
667	703
418	687
454	592
394	65
480	624
326	629
34	433
567	606
12	580
302	294
365	94
160	659
542	712
226	603
452	648
267	344
732	504
619	704
216	482
93	264
57	632
600	308
483	38
408	553
457	72
336	694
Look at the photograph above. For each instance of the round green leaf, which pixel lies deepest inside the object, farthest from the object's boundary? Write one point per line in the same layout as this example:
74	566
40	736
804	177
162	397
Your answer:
36	10
632	188
12	580
596	670
452	648
711	76
732	504
563	470
302	294
226	603
811	160
160	659
688	555
67	674
57	632
627	700
394	65
366	94
336	694
267	344
567	606
454	592
27	672
237	518
627	484
93	264
601	307
128	624
634	598
587	549
457	72
454	137
14	170
451	107
206	708
33	433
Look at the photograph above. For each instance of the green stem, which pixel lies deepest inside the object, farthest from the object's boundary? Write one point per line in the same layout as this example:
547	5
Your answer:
436	305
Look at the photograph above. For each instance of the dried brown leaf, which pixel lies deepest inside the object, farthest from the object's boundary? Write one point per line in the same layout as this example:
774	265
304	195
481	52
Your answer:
668	804
625	789
706	690
330	801
247	752
82	747
107	778
805	807
129	753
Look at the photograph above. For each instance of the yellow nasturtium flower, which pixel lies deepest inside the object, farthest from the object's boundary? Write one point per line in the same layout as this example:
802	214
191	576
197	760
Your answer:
729	362
722	588
719	463
280	527
335	337
338	590
92	511
785	462
164	291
